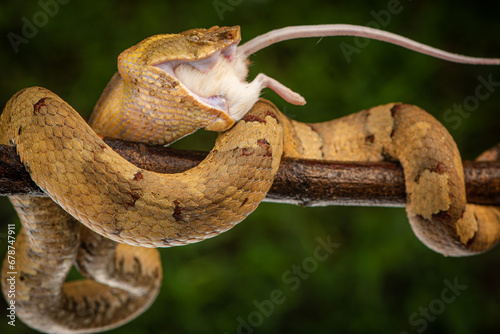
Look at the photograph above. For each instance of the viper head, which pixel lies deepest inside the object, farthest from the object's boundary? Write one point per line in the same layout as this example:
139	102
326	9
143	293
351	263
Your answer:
202	68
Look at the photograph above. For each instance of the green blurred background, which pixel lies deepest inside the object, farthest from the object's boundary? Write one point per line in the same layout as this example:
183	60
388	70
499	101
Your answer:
381	275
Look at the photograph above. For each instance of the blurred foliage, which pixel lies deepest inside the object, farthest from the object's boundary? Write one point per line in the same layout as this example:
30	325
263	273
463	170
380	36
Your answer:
380	274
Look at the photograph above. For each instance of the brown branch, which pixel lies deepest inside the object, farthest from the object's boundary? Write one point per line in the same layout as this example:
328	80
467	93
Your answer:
301	182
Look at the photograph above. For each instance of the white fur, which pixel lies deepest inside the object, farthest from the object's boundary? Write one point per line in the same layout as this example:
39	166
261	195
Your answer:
225	80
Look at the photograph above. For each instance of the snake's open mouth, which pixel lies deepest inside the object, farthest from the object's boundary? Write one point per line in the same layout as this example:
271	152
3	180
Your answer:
219	81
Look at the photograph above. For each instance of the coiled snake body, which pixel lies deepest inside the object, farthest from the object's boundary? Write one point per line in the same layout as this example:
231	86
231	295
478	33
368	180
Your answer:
122	206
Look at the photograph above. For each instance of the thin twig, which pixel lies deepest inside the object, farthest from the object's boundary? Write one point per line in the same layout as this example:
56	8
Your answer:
300	182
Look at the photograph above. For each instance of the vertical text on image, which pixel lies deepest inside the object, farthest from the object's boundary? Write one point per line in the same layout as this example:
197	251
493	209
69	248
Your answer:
10	276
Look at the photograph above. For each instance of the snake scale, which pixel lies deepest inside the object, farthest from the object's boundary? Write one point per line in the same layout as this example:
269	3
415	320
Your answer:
167	87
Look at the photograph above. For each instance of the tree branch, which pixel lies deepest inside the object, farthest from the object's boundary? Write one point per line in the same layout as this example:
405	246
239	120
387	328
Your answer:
300	182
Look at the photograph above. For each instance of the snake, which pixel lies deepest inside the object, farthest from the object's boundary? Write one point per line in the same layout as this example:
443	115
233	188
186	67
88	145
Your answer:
108	217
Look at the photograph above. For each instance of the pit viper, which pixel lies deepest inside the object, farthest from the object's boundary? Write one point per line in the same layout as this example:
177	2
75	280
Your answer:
107	216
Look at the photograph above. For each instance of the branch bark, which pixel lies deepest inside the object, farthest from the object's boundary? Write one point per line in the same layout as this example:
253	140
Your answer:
300	182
